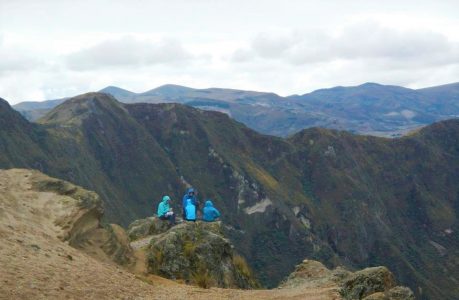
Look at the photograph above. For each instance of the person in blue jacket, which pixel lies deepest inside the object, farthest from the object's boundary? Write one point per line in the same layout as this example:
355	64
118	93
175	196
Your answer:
210	213
190	210
189	195
165	211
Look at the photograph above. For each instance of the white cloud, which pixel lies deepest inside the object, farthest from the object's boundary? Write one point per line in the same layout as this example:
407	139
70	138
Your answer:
16	58
128	51
364	40
51	49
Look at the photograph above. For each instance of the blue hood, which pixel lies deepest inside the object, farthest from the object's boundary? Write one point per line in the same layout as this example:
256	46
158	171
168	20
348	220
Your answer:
209	203
189	190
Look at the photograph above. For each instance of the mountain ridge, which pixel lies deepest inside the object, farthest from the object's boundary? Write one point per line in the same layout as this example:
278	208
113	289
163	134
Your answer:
323	194
369	108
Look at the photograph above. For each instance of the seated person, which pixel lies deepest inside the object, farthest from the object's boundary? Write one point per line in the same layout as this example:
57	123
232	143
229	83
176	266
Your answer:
210	213
190	210
165	211
189	194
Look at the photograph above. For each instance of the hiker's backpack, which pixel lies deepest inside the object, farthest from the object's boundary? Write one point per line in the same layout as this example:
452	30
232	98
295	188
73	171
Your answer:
190	210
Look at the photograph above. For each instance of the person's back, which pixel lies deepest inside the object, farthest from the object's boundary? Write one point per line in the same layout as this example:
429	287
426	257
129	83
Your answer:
210	213
190	210
191	195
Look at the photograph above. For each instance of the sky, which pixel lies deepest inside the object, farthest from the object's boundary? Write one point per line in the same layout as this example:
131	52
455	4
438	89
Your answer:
51	49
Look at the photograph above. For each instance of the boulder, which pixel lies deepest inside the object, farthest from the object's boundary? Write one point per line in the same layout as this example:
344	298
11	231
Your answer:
146	227
197	252
396	293
376	283
366	282
313	273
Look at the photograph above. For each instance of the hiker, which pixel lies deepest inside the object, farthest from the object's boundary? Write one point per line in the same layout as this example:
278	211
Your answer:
165	211
190	210
210	213
191	195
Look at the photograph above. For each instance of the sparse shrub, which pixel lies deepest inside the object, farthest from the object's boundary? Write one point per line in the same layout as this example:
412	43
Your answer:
156	259
202	278
188	249
159	255
199	231
241	266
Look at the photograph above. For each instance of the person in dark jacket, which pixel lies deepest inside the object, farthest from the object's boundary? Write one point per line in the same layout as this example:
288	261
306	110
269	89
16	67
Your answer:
210	213
165	211
189	195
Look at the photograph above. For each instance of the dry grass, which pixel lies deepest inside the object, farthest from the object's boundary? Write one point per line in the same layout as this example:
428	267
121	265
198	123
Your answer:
203	279
241	266
188	249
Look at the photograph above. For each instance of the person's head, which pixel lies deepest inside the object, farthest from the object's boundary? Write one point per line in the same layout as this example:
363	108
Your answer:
209	203
166	199
191	191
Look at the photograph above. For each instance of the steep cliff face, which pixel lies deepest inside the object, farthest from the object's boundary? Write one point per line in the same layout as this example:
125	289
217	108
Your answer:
321	194
389	202
65	211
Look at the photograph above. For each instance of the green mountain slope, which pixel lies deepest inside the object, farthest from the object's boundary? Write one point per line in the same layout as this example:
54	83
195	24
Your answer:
322	194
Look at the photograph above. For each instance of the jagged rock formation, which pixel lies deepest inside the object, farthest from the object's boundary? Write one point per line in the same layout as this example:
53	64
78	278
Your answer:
196	252
371	283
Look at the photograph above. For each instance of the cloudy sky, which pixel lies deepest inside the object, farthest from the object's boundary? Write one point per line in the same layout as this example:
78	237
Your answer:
51	49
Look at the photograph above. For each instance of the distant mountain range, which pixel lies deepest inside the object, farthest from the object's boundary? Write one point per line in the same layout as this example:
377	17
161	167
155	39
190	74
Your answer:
370	108
322	194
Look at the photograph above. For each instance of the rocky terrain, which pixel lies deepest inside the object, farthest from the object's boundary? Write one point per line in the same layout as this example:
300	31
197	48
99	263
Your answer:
53	246
321	194
192	252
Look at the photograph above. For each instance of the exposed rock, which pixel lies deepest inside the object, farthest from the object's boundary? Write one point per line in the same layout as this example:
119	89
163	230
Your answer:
259	207
366	282
116	246
145	227
198	253
376	283
314	273
81	220
396	293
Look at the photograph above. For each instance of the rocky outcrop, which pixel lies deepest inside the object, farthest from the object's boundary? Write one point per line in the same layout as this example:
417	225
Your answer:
396	293
376	283
195	252
146	227
366	282
80	220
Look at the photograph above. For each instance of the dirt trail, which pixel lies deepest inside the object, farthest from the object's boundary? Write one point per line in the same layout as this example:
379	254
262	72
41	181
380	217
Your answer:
36	264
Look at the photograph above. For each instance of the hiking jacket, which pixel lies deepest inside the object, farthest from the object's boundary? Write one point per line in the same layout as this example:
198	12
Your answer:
210	213
190	210
163	206
186	197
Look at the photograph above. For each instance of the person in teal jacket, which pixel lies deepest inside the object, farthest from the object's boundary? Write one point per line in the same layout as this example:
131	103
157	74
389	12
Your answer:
210	213
165	211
